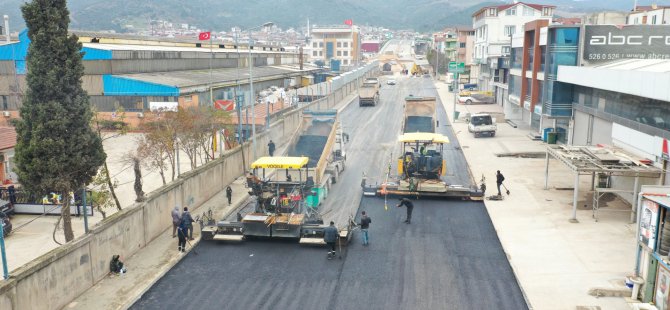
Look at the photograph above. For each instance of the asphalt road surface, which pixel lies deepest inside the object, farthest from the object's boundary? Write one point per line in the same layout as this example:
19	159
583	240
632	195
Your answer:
448	258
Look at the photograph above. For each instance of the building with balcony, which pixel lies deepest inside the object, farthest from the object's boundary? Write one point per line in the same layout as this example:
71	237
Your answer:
341	42
494	27
464	53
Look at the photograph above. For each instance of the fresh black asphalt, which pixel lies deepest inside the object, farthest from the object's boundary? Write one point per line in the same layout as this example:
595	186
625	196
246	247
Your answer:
448	258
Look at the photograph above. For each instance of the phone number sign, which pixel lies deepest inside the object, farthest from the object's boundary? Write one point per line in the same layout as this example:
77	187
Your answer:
607	42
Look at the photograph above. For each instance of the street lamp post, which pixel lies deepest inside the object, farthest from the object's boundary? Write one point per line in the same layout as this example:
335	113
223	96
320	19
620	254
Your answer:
252	96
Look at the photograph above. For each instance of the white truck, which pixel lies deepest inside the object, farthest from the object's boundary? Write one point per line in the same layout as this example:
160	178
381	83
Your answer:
482	124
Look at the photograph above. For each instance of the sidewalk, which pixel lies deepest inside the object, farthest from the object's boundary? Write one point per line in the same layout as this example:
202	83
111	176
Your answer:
555	261
149	264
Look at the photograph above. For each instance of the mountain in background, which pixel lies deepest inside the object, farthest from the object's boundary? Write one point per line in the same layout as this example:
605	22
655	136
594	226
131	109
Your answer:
420	15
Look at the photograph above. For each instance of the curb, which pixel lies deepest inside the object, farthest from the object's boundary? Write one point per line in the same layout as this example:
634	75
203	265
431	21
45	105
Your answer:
164	270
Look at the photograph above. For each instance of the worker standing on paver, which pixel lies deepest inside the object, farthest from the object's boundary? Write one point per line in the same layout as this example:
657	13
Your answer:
499	181
229	194
330	235
187	222
176	219
365	225
271	148
409	205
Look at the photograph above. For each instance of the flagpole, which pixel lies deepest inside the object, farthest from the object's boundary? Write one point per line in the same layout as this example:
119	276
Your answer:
211	57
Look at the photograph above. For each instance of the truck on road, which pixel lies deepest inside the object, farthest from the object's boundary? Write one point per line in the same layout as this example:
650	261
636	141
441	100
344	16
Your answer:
420	114
476	97
368	94
482	124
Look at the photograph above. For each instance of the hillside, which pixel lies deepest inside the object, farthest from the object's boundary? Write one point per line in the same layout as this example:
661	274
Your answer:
421	15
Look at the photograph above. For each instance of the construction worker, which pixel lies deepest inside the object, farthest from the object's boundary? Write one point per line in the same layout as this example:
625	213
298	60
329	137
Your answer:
365	225
229	194
271	148
499	180
330	235
409	205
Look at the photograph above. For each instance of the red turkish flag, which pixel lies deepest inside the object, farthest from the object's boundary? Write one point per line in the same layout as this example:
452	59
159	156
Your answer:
348	22
204	36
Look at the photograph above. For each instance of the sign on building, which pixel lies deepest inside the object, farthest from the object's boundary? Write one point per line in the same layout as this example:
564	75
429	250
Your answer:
163	106
604	43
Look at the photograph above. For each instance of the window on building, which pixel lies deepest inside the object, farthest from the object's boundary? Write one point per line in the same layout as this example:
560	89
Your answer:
492	12
345	62
635	21
653	20
546	11
320	53
511	11
506	50
345	44
339	44
516	58
510	30
314	44
5	105
543	51
345	53
462	45
528	11
314	53
339	53
320	44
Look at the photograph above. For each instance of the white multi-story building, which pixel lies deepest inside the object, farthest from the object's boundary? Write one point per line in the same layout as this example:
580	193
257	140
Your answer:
335	42
649	15
494	27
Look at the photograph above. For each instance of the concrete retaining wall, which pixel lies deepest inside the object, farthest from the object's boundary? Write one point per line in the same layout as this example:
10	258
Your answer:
54	279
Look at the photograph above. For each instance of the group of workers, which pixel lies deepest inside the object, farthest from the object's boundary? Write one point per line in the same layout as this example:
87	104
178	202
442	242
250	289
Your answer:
182	227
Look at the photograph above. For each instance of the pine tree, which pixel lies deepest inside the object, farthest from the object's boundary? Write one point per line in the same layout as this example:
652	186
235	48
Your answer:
56	150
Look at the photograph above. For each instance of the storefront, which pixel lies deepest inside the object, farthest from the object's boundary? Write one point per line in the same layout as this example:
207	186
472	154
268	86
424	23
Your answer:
652	262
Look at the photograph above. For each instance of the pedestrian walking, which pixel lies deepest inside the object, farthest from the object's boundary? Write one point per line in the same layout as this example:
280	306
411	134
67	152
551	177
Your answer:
176	219
499	181
365	225
181	234
187	222
229	194
330	235
409	205
271	148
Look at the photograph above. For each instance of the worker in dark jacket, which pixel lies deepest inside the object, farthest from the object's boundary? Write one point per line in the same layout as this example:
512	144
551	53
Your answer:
499	180
409	205
182	230
187	221
271	148
229	194
330	235
365	225
116	265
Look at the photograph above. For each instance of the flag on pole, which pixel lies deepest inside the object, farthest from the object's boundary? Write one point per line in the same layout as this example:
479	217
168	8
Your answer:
348	22
204	36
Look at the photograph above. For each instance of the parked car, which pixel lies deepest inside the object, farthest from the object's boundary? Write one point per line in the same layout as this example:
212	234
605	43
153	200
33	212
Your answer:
482	124
6	224
390	82
476	97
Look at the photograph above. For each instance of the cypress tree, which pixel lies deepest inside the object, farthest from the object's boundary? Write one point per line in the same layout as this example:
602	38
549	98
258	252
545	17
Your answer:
56	150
